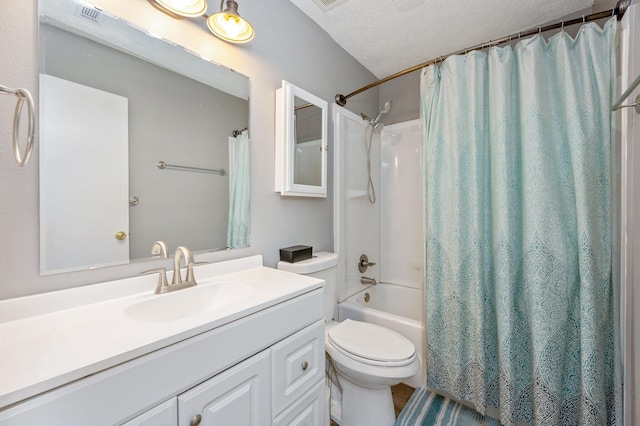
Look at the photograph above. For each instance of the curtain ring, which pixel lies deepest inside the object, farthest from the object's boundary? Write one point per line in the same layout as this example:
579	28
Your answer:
583	19
539	30
613	11
519	32
562	27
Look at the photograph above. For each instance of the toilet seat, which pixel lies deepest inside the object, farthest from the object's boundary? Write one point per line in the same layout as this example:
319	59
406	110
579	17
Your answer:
371	344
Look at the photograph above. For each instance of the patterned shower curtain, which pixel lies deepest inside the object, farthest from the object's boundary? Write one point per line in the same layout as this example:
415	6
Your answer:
520	299
239	194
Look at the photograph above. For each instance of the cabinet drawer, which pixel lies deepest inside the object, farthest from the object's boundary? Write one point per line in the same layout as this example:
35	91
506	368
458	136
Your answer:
308	410
297	364
165	414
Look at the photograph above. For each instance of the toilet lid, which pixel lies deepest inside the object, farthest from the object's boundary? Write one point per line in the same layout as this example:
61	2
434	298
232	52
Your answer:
371	341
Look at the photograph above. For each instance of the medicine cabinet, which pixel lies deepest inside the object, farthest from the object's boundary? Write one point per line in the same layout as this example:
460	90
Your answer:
301	143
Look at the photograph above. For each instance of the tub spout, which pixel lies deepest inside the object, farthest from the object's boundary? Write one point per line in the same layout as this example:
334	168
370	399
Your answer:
367	281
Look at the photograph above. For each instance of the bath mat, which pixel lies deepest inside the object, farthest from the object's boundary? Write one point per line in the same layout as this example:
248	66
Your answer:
426	408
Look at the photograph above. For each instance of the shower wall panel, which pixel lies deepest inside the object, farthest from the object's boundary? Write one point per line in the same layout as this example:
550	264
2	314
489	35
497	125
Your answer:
357	222
401	205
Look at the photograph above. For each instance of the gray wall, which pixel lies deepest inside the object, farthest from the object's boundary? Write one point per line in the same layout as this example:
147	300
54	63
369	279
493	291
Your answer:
287	46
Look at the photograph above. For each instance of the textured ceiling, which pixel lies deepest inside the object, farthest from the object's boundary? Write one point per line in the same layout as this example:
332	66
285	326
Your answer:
387	36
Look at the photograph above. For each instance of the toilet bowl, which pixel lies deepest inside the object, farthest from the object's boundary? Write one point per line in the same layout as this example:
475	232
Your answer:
367	358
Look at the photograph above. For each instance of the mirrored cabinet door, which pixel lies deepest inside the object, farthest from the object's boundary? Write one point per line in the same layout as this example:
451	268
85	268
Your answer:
301	143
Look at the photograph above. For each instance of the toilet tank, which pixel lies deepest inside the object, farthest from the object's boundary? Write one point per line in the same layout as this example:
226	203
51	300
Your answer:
324	266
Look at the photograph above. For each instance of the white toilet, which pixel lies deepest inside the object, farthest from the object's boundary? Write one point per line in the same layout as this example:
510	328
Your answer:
368	358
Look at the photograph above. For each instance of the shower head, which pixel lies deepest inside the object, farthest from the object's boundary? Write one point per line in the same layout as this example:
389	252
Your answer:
376	124
385	109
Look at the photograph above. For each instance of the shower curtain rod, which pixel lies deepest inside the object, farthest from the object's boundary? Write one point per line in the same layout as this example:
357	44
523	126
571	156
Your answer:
619	10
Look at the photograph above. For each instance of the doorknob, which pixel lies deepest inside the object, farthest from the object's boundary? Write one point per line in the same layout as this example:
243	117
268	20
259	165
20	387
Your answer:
121	235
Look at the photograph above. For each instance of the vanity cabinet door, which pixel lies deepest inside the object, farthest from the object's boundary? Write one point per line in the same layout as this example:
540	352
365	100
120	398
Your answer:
240	396
165	414
308	410
298	364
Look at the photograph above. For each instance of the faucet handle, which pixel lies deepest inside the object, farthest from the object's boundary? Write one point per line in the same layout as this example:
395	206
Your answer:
162	279
363	263
190	277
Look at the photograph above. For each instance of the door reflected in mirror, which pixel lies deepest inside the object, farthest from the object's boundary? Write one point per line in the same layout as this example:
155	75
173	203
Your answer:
98	208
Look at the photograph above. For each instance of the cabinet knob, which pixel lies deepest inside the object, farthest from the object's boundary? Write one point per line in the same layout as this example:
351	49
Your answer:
120	235
305	365
195	420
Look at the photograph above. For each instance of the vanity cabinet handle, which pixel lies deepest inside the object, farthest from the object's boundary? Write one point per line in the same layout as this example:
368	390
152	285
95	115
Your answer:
305	365
195	420
120	235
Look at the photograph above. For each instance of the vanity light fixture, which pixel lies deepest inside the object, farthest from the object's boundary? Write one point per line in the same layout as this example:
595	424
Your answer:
180	9
229	25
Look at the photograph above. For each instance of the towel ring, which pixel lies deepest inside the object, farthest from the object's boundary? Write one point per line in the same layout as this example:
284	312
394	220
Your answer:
23	96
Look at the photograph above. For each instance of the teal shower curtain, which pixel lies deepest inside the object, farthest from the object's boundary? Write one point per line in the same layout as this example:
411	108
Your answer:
518	206
239	194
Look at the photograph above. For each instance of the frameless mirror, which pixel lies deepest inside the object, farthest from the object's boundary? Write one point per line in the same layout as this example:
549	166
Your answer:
301	143
137	142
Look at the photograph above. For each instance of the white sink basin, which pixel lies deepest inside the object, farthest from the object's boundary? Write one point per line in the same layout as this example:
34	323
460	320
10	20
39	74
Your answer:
188	302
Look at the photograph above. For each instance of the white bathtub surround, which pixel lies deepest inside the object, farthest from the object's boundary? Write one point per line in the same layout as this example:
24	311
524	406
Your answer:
57	339
401	205
389	232
356	221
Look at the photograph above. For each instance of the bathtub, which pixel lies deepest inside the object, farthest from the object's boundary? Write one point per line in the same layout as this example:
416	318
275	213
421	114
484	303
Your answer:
396	307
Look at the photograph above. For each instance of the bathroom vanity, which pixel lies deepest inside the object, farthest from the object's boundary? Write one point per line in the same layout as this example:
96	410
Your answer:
245	347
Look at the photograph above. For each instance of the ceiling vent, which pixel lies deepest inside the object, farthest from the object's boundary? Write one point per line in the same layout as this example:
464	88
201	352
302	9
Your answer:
90	13
325	5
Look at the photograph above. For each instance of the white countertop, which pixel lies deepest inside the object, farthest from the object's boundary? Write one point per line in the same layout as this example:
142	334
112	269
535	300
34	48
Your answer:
52	339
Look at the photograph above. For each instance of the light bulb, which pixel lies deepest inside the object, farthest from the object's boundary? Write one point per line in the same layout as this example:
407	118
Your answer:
234	26
230	27
181	8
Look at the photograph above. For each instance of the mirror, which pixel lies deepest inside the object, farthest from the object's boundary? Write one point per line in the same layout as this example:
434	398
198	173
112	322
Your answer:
116	103
301	143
